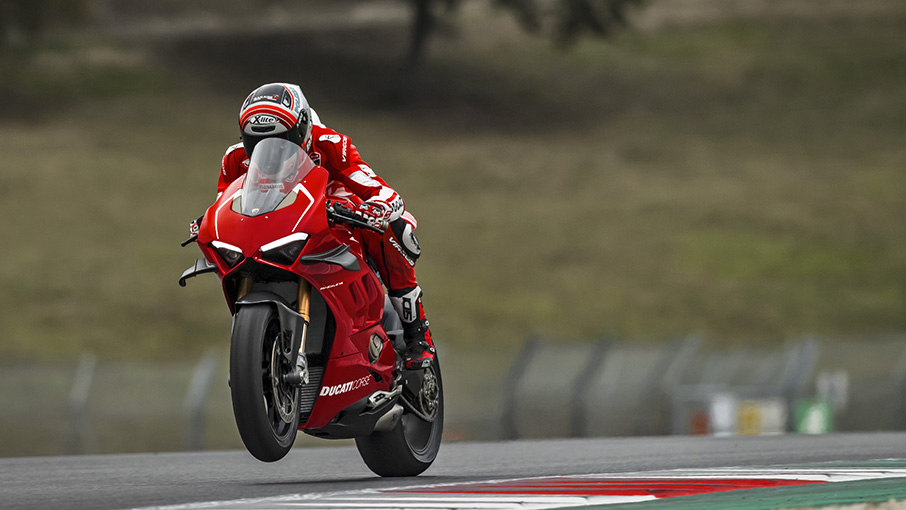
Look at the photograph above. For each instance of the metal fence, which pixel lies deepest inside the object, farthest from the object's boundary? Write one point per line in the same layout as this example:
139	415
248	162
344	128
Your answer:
683	387
93	407
601	388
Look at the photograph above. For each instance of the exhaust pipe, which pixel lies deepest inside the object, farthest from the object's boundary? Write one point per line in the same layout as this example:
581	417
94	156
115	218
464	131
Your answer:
390	419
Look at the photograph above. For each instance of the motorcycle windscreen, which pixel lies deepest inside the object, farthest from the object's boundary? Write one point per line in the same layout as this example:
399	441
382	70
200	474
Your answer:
276	168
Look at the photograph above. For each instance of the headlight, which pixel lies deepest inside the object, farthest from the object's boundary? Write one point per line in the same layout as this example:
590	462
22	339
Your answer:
229	253
286	250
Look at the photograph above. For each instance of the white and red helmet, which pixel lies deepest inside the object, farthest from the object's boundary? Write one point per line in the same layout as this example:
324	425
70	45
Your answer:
275	109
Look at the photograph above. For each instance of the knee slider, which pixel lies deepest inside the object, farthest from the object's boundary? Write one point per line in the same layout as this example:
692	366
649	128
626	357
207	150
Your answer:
407	243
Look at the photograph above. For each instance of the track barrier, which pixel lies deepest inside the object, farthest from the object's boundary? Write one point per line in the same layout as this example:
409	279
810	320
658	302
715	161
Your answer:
604	387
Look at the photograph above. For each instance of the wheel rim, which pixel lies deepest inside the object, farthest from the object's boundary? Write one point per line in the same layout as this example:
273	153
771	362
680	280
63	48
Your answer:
429	395
419	433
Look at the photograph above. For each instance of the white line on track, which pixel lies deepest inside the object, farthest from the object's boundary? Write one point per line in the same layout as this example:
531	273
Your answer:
446	496
376	500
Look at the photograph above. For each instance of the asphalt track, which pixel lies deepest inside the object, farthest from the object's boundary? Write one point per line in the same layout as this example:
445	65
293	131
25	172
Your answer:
141	480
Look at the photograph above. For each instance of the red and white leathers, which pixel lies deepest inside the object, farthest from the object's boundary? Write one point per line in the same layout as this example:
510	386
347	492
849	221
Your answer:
394	253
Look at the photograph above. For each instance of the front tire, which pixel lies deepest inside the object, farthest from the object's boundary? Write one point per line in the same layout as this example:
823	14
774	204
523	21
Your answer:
410	447
265	407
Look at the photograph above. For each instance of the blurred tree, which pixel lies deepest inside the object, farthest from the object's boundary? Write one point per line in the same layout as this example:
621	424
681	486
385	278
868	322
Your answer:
567	20
563	20
29	19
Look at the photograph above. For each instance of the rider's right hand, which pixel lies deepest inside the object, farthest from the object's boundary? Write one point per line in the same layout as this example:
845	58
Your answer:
195	225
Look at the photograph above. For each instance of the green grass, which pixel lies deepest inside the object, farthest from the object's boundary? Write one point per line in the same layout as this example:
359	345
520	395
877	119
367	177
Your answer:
743	180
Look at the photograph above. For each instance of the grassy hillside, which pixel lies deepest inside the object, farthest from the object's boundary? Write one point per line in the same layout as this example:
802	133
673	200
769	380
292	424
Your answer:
742	178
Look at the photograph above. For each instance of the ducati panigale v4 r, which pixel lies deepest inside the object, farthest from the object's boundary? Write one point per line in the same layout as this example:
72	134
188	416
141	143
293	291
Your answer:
315	341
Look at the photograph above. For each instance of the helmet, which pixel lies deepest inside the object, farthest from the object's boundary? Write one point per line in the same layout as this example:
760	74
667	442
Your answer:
275	109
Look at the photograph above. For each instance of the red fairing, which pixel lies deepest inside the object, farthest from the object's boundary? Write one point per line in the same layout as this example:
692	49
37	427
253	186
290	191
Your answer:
221	223
347	380
355	297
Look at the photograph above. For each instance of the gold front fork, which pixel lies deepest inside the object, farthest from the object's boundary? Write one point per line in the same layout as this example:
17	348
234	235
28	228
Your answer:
245	286
304	299
304	311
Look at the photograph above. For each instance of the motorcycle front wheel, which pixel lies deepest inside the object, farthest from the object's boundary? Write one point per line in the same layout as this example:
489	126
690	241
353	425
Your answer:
265	407
410	447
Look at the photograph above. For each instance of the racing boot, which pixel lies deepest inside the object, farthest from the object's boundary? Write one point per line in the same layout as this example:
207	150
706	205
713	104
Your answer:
419	346
420	350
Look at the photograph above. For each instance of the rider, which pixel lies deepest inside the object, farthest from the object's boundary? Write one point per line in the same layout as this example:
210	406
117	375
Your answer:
281	110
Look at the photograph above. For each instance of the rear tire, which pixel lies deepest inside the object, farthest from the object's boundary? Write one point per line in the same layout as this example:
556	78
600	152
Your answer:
410	447
266	409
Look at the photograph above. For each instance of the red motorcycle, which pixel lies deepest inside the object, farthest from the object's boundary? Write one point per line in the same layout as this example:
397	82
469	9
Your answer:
315	342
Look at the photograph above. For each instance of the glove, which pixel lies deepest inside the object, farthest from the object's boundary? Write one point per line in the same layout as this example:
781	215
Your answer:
376	214
195	225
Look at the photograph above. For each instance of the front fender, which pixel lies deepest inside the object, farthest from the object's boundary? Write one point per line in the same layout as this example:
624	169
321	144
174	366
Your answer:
291	323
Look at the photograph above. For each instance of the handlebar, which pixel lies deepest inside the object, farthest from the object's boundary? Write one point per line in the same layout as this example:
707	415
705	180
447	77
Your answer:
193	228
342	214
335	212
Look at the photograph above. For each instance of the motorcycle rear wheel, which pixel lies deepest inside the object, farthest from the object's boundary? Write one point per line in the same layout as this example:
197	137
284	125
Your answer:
410	447
266	408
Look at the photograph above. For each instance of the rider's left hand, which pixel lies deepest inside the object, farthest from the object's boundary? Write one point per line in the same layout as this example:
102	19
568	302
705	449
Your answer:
376	214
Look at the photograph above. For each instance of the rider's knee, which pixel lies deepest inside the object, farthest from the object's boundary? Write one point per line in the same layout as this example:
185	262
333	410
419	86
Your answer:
404	240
